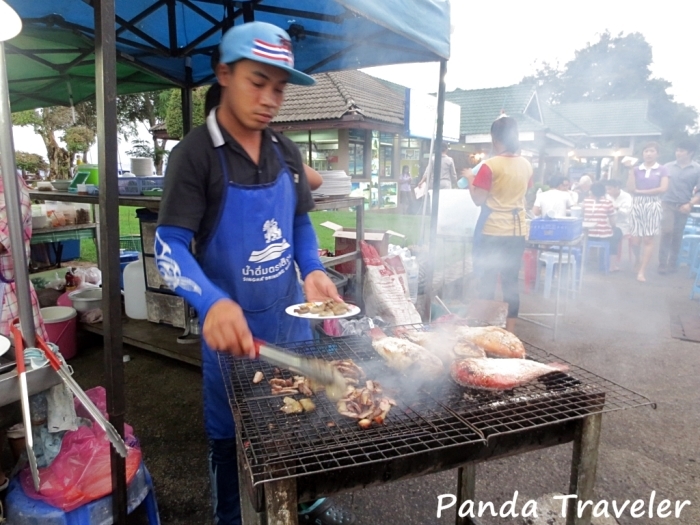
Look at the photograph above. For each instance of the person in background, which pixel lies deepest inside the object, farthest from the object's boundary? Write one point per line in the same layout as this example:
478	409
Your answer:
622	202
239	190
405	190
677	203
647	182
499	187
582	188
555	201
212	100
448	173
601	211
9	307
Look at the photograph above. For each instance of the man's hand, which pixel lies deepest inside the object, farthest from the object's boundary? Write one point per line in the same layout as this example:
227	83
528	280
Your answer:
685	208
319	287
226	330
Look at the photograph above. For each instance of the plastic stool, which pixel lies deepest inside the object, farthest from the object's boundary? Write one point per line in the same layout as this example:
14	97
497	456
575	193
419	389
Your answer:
551	259
20	508
688	247
603	253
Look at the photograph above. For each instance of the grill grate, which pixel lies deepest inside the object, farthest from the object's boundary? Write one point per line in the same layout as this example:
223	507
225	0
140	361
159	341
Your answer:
431	417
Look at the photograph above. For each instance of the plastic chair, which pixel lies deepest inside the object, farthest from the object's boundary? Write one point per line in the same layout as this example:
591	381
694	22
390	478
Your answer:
20	508
603	248
688	247
551	259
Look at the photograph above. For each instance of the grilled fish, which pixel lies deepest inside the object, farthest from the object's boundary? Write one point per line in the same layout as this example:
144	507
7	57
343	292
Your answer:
446	345
402	354
495	341
499	374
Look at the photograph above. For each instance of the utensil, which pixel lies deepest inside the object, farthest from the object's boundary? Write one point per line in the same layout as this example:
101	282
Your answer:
319	370
24	398
62	369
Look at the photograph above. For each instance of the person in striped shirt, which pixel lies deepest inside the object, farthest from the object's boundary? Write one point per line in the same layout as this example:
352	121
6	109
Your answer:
599	210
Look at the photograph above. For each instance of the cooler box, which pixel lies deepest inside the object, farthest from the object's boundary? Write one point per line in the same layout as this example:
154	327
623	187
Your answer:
84	174
564	229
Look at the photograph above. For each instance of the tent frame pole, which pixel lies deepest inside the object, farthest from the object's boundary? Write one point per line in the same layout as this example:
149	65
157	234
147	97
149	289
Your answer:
106	105
437	166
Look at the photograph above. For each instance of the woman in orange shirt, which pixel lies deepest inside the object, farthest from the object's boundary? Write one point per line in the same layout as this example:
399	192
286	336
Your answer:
499	187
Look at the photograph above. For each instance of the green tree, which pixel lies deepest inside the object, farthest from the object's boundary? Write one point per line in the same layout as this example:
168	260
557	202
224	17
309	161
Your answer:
148	109
616	68
30	162
173	118
78	139
46	122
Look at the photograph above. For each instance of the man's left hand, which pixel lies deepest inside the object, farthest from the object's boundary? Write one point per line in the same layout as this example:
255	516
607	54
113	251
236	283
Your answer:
319	287
686	208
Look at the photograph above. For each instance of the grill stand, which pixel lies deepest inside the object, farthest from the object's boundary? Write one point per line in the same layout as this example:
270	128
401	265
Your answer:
280	498
583	468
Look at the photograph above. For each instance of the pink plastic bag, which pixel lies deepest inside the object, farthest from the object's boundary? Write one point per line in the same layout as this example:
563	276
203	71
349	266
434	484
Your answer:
81	472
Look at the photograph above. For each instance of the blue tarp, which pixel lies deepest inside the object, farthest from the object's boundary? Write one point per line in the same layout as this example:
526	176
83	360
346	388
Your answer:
162	36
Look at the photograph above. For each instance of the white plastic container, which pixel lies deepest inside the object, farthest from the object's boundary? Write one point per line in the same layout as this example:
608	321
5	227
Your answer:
135	290
142	166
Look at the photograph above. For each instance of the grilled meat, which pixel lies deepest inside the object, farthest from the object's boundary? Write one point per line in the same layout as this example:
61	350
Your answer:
496	341
444	344
402	354
499	374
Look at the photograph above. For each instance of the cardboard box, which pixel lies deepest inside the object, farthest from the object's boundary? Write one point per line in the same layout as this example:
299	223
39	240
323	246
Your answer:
346	242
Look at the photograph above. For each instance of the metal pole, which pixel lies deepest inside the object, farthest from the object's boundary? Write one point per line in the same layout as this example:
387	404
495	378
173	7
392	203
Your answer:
187	99
14	210
437	165
106	102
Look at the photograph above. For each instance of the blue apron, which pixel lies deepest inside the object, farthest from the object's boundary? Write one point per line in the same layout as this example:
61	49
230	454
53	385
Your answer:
250	256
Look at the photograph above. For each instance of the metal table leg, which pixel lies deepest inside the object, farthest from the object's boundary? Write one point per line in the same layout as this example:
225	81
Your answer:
248	514
281	502
583	469
556	302
466	490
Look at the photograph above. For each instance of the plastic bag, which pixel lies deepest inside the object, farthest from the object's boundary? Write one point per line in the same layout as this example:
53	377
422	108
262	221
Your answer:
81	472
89	275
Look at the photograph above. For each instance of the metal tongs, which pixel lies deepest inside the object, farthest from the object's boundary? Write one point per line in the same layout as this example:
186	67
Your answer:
319	370
61	368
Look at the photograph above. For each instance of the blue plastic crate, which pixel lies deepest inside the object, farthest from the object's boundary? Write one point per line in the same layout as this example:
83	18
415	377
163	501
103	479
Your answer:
129	186
151	183
555	229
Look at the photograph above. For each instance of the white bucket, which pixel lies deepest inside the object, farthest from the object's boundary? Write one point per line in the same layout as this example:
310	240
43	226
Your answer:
142	166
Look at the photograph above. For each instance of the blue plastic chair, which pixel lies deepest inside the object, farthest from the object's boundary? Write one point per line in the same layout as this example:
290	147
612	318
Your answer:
688	248
20	508
551	259
603	248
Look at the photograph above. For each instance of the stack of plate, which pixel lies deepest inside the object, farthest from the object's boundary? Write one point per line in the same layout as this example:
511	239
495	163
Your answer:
335	184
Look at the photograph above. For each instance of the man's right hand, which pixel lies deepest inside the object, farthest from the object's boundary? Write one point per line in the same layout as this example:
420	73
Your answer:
226	330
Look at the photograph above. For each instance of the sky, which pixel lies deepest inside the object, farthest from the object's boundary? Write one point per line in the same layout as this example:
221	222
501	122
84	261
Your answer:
497	44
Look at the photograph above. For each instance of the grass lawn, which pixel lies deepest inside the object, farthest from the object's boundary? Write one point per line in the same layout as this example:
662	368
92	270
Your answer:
409	225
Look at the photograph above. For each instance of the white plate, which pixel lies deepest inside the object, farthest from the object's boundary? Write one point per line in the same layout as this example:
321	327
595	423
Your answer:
4	344
353	310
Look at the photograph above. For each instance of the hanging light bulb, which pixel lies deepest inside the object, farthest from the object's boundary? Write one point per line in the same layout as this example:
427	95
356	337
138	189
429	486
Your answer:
10	22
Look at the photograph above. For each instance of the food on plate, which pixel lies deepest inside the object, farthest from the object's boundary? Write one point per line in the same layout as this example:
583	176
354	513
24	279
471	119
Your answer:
291	406
258	377
499	374
402	354
496	341
323	309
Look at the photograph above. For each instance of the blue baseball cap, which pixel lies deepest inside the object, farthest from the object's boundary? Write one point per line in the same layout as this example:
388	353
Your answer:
262	42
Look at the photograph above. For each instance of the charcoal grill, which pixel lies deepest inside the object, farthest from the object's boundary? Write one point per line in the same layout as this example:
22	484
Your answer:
435	427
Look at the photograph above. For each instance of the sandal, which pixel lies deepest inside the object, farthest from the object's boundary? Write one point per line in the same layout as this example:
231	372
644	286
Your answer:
326	513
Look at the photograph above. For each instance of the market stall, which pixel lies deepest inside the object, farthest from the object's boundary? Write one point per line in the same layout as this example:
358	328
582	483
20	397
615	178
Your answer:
173	40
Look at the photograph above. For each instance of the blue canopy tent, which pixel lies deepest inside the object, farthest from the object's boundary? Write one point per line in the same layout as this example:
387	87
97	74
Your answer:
173	40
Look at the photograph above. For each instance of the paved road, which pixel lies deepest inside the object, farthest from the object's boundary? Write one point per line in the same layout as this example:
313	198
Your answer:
617	328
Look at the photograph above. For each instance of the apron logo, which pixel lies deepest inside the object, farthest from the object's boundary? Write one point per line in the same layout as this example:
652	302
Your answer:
170	269
274	250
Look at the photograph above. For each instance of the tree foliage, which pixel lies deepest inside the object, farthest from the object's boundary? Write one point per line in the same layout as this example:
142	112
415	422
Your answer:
616	68
30	162
173	119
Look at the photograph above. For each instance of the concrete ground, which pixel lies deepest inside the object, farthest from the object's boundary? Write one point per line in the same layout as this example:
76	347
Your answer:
617	327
